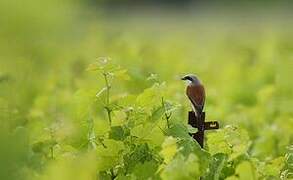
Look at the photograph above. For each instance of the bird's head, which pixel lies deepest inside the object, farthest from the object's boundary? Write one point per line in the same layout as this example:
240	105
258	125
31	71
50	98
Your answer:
191	78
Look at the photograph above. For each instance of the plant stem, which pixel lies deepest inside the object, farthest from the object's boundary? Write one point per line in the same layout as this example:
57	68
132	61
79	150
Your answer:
52	146
91	134
108	87
113	176
52	152
109	115
167	116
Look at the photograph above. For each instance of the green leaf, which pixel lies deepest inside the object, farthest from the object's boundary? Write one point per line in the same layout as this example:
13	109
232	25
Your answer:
122	74
142	130
43	146
229	140
121	177
104	175
145	170
100	64
119	133
150	98
140	153
178	130
191	129
217	163
156	114
83	101
170	106
105	65
246	170
153	77
182	168
274	167
288	168
93	67
188	145
109	155
126	101
169	149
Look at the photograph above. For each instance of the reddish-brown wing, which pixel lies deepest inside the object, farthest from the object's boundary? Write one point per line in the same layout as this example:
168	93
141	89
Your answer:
196	94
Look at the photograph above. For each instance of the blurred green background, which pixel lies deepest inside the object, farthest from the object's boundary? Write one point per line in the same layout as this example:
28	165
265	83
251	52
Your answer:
242	51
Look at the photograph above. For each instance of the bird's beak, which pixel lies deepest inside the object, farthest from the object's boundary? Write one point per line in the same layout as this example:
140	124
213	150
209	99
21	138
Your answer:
183	78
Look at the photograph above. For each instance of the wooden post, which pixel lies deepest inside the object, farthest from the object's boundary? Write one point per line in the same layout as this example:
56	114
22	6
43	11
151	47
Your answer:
199	123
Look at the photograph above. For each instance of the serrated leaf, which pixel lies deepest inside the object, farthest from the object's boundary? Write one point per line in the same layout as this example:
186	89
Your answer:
170	106
217	143
145	170
119	133
83	100
104	64
150	98
122	74
229	140
109	155
287	171
169	149
216	166
140	153
105	176
182	168
153	77
246	170
93	67
43	146
157	113
273	167
178	131
114	106
126	101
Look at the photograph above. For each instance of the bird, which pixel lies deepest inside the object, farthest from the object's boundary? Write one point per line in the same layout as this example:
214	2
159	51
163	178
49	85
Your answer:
195	92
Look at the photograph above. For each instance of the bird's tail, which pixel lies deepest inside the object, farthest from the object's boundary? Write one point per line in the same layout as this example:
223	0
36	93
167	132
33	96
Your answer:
197	111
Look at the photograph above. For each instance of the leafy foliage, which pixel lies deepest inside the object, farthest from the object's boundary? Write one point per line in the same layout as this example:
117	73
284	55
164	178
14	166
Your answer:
126	118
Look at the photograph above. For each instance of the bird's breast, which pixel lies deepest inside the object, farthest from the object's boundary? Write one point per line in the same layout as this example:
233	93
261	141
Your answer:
196	93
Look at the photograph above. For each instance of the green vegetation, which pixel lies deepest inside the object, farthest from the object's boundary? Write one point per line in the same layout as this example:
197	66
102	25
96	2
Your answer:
86	96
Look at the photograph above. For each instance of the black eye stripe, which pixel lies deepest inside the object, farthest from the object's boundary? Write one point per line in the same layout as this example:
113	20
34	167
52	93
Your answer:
189	78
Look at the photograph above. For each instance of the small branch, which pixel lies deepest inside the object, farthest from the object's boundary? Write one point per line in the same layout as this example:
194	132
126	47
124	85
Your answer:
100	140
52	152
162	130
113	175
52	145
109	115
108	87
91	134
167	116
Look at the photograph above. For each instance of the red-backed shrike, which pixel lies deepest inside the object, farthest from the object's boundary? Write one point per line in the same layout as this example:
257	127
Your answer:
195	92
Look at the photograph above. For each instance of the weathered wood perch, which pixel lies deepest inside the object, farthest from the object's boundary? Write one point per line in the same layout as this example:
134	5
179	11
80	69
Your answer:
201	125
